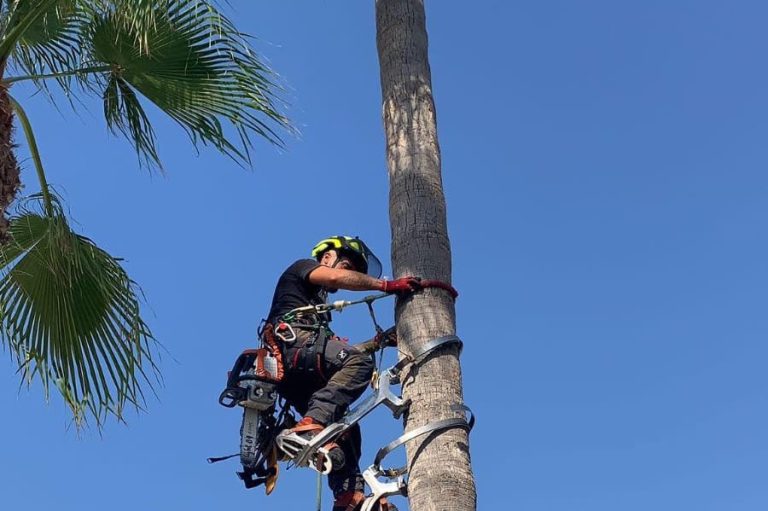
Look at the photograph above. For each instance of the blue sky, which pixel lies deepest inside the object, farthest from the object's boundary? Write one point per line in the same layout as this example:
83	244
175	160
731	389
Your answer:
604	167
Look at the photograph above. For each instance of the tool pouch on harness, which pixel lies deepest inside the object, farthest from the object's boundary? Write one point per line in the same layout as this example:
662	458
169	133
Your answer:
306	356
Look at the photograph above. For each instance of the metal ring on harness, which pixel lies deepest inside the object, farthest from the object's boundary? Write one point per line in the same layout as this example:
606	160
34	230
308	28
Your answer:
291	332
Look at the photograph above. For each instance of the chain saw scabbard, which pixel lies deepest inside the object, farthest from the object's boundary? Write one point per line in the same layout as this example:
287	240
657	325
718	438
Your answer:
252	384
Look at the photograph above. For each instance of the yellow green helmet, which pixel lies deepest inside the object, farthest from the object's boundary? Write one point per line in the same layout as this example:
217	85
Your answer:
355	249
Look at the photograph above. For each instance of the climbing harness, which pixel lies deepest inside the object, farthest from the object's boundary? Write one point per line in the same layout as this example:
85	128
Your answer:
252	385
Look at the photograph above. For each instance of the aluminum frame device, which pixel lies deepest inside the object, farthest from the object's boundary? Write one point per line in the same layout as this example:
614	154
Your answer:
383	482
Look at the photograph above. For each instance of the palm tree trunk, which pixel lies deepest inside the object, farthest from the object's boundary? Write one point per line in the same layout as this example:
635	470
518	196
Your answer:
9	166
440	472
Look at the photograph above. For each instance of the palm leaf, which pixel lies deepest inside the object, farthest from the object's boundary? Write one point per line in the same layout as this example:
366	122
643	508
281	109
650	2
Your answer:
20	17
193	64
71	316
50	45
125	114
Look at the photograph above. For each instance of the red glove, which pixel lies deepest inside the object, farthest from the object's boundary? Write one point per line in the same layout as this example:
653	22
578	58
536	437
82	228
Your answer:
403	286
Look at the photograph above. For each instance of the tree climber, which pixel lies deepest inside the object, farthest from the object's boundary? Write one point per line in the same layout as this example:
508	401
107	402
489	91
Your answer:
323	375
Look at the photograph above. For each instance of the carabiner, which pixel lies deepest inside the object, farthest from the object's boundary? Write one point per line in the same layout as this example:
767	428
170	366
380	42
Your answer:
282	326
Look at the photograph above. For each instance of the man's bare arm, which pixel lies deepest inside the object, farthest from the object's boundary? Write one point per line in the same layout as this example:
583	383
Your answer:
336	278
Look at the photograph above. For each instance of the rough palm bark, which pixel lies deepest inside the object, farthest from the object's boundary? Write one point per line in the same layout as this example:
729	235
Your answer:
9	166
440	472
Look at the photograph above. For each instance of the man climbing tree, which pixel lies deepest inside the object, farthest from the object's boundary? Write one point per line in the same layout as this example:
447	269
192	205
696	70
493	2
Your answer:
323	375
440	475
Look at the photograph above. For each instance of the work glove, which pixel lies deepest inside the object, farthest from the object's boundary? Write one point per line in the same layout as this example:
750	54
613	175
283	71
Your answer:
402	286
386	338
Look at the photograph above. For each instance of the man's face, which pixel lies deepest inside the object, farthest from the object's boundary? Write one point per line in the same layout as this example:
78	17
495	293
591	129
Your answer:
332	259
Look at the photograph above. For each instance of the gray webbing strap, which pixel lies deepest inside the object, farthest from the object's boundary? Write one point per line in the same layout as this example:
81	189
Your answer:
427	428
428	348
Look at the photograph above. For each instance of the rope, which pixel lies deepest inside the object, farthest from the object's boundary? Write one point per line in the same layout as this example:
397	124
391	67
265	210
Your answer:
378	328
379	332
440	285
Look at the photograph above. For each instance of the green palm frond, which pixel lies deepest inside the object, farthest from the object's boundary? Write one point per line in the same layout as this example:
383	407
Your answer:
193	64
20	17
51	45
182	55
71	316
124	113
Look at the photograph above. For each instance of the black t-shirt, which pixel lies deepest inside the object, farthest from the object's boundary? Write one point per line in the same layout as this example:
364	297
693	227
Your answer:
294	290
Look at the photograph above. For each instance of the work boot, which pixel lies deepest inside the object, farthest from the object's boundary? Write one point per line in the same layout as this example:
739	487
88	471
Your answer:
383	505
349	501
328	458
353	501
